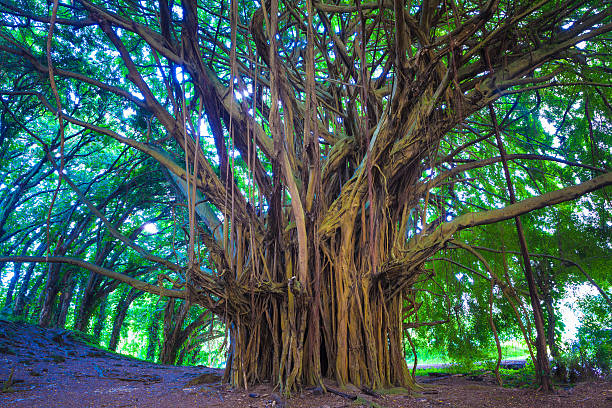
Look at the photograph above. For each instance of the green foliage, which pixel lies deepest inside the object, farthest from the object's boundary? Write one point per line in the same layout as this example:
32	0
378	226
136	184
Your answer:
590	354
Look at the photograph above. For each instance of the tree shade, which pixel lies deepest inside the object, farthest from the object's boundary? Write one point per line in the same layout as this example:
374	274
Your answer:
307	161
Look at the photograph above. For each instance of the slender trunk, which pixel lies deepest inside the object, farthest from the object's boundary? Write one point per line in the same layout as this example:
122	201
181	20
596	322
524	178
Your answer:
51	290
542	363
97	332
152	338
120	314
8	303
23	289
87	304
174	334
545	284
194	354
38	305
29	298
66	300
181	356
172	320
550	327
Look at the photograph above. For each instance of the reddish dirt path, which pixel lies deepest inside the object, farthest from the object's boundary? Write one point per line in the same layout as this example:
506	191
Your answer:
52	369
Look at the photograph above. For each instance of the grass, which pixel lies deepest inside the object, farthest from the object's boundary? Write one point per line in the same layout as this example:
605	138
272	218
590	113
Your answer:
522	378
510	350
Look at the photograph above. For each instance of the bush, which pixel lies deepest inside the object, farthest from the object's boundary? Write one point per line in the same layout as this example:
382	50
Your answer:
590	355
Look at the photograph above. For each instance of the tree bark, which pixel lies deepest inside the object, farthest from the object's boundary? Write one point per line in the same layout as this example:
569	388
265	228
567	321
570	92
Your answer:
32	294
120	313
23	289
543	366
99	326
66	299
8	302
152	337
50	295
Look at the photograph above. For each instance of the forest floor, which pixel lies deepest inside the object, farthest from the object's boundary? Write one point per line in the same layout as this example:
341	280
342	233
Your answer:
47	368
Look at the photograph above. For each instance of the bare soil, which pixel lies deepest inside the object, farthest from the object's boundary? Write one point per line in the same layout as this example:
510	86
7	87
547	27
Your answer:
51	368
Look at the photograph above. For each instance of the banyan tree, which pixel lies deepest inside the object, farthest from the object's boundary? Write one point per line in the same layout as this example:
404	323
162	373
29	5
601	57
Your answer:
324	152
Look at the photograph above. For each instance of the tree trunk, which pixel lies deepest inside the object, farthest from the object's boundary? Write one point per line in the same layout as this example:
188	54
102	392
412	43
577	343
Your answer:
8	303
356	347
542	365
23	289
88	303
120	314
50	295
174	334
29	298
359	338
544	279
173	321
152	338
66	299
99	326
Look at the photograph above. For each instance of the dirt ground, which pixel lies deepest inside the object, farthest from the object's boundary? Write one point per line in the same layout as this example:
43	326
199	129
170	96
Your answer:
50	368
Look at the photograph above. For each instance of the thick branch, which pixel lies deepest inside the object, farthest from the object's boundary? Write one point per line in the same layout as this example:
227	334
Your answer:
135	283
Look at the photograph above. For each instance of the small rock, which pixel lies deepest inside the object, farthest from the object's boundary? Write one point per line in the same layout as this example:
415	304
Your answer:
57	358
317	391
277	400
59	339
325	406
7	350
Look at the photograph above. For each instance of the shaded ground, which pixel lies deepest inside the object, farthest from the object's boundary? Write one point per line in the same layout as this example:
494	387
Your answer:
52	368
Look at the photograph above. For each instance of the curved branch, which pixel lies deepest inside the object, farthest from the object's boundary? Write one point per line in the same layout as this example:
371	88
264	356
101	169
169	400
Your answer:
135	283
425	245
563	260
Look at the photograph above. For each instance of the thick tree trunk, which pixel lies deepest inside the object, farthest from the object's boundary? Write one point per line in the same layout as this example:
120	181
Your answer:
367	352
360	340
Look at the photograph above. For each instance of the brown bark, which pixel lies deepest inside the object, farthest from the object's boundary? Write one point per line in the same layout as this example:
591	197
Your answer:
543	366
